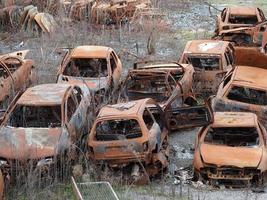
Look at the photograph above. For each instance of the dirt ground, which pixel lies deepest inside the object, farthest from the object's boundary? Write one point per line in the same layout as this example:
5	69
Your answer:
186	20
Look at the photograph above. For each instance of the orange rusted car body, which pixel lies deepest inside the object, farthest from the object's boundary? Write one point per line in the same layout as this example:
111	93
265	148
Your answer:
128	134
164	82
96	67
211	60
236	17
170	85
243	89
232	150
16	74
46	122
250	44
116	11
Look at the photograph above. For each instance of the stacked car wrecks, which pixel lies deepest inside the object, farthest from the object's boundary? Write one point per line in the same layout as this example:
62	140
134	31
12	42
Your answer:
48	125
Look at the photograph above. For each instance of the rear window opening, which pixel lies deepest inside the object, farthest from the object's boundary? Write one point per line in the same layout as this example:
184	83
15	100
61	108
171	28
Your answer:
243	19
87	68
204	63
233	136
240	39
120	129
149	86
248	95
36	117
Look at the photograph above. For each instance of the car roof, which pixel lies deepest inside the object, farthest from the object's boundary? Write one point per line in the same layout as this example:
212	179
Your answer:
121	110
45	94
206	47
243	10
253	76
234	119
90	52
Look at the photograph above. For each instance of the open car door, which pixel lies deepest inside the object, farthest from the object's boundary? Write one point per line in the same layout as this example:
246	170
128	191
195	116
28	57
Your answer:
188	116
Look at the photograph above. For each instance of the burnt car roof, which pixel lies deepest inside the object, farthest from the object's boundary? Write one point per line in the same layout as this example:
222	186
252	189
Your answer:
206	47
251	76
125	109
45	94
90	52
243	10
234	119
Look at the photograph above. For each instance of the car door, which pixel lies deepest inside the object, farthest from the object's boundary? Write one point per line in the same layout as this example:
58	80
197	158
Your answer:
188	117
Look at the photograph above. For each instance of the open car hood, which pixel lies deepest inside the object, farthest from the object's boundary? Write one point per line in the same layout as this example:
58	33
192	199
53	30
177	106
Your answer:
231	156
30	143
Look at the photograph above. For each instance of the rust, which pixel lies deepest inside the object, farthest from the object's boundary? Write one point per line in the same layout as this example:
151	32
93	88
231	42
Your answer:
232	151
165	82
16	74
130	136
95	67
211	60
28	18
239	16
243	90
44	123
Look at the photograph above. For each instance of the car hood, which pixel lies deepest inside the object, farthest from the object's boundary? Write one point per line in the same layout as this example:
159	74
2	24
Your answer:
231	156
93	84
31	143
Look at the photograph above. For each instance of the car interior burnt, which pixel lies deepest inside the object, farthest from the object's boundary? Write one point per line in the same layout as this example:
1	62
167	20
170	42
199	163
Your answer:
119	129
233	19
204	63
149	86
87	68
36	116
248	95
233	136
240	39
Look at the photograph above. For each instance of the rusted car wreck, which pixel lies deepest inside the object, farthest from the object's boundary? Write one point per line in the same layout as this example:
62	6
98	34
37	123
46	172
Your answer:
16	74
96	67
170	85
42	129
250	44
130	137
165	82
232	151
243	89
211	60
239	16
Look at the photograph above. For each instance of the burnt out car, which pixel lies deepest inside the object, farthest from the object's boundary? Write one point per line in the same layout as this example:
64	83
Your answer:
232	151
98	67
211	60
243	90
16	74
42	128
239	16
170	85
130	137
250	44
163	82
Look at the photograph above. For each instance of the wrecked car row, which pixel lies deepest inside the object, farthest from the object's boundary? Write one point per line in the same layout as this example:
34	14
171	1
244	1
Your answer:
49	120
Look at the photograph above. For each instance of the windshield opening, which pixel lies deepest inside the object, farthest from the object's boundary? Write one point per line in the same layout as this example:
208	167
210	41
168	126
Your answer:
87	68
204	63
248	95
36	117
233	136
234	19
148	86
119	129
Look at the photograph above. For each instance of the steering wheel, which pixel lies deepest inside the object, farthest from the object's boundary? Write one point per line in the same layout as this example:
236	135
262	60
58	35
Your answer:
6	59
